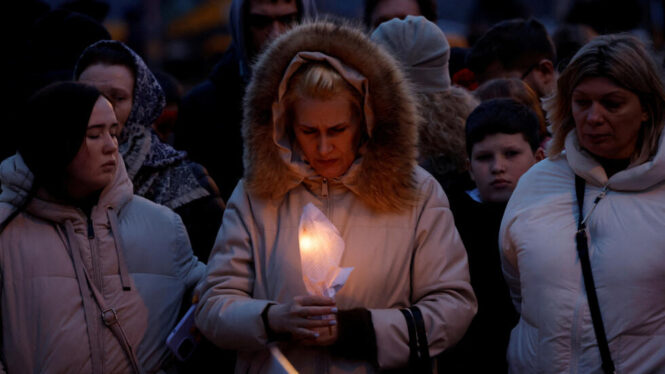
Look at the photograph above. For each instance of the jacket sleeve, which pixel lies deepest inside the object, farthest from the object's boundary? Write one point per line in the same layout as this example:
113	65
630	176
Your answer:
508	254
440	285
189	269
227	314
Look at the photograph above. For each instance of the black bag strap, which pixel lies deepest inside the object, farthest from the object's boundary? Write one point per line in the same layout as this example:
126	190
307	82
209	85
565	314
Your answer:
423	345
413	342
589	284
419	359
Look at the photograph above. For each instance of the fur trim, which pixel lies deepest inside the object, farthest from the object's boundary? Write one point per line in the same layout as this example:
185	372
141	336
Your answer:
385	180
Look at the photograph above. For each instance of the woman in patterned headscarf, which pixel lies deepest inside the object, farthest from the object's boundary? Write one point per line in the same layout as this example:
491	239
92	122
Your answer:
158	171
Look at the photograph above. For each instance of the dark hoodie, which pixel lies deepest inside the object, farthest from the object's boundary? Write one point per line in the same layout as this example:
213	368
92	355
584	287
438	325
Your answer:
209	117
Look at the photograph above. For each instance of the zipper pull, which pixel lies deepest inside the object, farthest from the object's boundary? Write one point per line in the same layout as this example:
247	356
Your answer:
601	195
324	187
91	231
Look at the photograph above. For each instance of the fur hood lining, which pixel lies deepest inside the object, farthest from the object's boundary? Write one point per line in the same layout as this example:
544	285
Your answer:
385	176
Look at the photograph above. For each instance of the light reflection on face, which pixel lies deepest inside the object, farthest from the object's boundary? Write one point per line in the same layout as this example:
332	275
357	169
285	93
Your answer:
328	133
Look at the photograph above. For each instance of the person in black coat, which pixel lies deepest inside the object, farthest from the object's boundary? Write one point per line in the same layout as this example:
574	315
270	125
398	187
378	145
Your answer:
209	118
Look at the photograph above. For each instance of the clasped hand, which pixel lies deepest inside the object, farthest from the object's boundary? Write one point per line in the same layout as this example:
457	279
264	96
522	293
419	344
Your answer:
309	319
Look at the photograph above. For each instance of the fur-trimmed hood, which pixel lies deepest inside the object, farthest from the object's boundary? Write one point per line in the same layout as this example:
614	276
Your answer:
383	177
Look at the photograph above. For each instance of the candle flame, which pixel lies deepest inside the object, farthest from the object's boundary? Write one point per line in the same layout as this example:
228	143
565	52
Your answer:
308	243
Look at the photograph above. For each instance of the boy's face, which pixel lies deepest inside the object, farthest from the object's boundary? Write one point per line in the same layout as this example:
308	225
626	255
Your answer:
497	163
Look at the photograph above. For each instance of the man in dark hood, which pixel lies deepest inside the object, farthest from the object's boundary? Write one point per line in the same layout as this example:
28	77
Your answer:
208	125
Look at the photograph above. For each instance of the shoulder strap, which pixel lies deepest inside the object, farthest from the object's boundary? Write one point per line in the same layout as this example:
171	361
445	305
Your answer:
108	314
589	284
579	192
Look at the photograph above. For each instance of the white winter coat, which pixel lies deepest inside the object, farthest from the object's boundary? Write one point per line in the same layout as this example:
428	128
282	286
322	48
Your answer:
627	248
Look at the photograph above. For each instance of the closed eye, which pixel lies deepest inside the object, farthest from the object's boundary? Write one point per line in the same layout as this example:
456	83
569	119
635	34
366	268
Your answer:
339	129
307	130
114	130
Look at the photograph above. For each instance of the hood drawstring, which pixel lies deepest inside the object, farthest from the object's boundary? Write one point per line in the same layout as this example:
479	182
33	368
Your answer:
68	238
122	265
109	315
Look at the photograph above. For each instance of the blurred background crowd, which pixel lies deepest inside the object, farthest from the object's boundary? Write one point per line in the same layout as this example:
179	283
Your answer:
187	37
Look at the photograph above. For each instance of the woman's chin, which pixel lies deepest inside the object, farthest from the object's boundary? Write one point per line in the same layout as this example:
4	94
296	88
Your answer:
329	172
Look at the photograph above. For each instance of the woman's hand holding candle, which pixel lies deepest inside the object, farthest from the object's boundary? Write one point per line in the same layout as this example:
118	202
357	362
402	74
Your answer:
327	336
305	319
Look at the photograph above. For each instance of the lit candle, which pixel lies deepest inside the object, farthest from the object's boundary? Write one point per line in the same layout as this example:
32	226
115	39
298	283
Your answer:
321	249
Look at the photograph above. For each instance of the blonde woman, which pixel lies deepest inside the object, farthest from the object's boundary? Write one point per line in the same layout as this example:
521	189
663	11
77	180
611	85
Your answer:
329	121
596	204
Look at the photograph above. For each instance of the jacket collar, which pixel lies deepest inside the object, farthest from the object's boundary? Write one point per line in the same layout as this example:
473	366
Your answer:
638	176
17	181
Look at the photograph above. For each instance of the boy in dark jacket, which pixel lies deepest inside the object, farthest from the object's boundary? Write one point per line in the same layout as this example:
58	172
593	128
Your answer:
502	142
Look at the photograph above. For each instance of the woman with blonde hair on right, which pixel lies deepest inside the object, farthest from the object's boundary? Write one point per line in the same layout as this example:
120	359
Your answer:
582	236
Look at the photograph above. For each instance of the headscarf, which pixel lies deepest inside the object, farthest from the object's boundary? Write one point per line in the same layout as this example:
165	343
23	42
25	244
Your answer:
384	176
422	49
158	171
356	80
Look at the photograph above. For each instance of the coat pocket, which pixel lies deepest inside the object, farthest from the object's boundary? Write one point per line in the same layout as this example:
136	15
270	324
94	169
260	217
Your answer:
522	352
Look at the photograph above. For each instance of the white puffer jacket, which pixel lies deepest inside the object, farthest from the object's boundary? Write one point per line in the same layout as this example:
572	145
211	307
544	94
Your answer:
627	248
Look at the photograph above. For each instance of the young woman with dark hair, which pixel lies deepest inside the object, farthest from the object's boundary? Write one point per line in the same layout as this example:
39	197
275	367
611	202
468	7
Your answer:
85	263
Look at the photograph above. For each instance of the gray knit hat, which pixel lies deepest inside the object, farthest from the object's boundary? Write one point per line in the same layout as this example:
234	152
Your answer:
422	49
